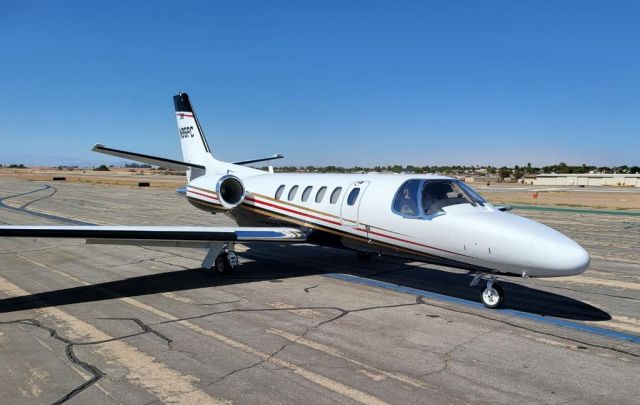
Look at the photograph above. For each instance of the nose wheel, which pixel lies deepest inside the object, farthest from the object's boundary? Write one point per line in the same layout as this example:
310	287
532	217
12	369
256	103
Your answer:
492	295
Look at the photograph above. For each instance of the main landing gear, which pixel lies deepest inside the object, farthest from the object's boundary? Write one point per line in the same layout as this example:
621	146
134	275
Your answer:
221	258
492	295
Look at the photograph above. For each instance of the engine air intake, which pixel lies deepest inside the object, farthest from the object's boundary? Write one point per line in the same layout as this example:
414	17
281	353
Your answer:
230	191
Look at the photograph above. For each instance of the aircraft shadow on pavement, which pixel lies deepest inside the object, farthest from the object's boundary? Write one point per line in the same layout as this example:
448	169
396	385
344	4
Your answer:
285	265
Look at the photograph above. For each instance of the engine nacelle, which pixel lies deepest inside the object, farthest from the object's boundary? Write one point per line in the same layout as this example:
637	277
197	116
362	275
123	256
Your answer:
228	189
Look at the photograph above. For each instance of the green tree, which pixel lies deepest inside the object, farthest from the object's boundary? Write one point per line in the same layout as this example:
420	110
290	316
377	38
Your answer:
504	172
518	172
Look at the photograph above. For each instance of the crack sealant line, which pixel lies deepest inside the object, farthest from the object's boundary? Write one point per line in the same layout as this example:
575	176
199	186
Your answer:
607	332
595	330
143	369
300	339
95	374
325	382
553	321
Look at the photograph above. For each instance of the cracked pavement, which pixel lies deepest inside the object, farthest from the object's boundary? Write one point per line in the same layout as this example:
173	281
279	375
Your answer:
123	324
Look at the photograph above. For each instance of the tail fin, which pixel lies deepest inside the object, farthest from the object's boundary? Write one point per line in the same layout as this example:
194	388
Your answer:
195	148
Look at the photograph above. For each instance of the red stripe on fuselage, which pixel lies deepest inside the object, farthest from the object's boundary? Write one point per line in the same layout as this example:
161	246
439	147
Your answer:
204	195
357	229
290	210
408	241
365	231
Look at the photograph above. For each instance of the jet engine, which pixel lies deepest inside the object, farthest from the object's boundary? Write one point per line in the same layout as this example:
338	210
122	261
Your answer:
228	189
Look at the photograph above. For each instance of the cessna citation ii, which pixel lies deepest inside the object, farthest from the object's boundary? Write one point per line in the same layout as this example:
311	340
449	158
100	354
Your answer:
431	218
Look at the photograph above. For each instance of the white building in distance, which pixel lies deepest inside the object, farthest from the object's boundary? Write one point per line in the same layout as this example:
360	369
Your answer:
620	180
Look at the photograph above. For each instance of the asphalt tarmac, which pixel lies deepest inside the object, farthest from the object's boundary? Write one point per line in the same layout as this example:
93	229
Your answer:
299	324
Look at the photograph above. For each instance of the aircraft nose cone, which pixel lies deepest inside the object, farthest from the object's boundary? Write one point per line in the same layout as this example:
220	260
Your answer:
577	260
560	256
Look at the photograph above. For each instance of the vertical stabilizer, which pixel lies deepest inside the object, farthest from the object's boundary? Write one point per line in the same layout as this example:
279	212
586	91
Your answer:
195	148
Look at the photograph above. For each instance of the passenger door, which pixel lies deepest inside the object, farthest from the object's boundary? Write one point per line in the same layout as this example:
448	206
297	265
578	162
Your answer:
349	211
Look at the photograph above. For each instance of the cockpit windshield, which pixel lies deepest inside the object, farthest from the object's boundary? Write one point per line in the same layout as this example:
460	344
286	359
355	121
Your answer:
472	193
427	197
437	194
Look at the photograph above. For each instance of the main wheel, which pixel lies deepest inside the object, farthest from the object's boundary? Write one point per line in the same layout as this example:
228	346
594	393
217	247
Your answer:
492	297
222	264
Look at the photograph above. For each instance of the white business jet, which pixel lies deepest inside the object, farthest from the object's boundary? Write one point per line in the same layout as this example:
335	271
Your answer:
432	218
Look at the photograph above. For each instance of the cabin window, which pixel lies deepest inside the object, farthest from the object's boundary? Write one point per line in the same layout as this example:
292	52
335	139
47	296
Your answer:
306	193
292	193
279	192
320	194
353	196
335	195
406	201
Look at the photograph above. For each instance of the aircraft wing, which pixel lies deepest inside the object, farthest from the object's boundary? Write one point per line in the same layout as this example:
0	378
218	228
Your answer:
152	160
178	236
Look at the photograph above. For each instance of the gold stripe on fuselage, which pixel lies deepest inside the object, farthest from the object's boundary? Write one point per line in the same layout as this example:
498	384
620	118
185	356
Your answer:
203	189
322	213
194	200
323	228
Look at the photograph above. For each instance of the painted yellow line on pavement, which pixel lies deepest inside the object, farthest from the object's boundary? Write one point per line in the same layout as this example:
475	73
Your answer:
332	385
143	370
374	372
318	379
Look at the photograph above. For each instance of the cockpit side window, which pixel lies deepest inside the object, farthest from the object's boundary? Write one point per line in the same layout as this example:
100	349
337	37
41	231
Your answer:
406	201
437	194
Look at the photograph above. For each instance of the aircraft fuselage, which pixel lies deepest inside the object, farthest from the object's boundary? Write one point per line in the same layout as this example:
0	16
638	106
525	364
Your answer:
468	235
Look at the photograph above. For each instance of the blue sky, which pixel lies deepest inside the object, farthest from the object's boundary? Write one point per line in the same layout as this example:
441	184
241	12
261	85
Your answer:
344	82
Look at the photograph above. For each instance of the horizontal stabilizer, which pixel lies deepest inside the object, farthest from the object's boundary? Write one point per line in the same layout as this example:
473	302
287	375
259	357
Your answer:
152	160
245	162
184	236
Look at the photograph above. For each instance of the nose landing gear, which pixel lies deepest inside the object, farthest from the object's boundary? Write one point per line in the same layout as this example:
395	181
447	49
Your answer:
492	295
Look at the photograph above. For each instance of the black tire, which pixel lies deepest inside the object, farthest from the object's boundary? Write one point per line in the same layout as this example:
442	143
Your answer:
222	265
364	256
493	297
